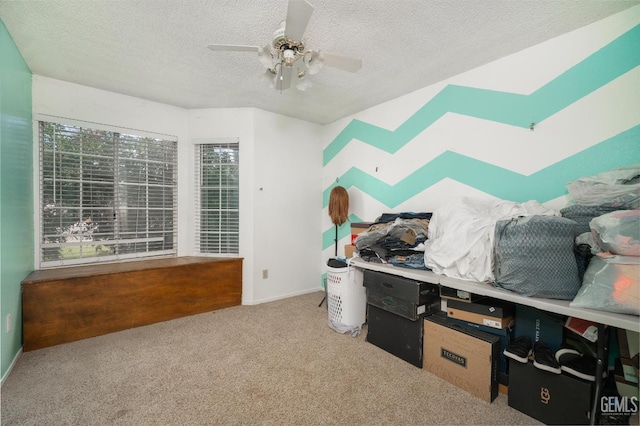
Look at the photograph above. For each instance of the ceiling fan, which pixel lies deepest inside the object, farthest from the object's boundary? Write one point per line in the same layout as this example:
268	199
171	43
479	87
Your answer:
286	53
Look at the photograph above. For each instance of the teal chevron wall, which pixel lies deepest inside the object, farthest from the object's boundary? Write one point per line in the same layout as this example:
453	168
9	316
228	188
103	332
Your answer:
16	192
570	100
517	110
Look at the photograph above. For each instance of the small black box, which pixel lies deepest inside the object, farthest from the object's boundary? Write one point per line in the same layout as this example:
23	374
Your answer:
397	335
540	325
402	307
416	292
461	295
548	397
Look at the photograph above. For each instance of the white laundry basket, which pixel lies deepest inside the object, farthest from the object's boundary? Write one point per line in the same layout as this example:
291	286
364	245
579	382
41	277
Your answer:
346	299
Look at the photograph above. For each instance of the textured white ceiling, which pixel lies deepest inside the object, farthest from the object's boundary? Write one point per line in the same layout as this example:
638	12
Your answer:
157	49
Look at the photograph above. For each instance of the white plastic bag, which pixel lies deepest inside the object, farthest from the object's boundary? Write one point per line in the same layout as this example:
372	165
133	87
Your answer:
619	187
618	232
611	284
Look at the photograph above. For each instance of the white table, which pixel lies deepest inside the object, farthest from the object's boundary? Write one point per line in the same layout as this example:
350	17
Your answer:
627	322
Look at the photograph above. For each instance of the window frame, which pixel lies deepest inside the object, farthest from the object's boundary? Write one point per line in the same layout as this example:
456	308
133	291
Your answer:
115	239
228	244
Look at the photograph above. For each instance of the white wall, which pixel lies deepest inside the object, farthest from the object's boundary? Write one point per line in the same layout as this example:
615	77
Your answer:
281	155
288	204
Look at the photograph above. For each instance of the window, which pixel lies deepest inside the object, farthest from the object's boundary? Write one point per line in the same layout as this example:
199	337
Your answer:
105	195
217	196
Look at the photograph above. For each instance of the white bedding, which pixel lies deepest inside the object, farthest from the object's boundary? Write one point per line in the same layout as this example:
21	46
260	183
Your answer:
461	233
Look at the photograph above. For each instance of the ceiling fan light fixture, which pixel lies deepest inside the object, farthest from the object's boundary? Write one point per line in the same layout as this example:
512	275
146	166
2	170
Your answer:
287	51
288	57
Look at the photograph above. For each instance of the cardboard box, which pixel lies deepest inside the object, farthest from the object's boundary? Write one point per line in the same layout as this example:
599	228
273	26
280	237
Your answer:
489	307
488	312
584	328
554	399
357	228
399	336
626	378
625	371
628	341
505	335
503	389
493	322
540	326
626	375
464	356
349	250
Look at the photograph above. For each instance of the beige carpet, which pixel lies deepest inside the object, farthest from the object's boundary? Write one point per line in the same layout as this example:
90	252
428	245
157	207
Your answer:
274	364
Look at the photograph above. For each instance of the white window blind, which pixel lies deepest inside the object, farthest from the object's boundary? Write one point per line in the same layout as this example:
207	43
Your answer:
105	195
217	197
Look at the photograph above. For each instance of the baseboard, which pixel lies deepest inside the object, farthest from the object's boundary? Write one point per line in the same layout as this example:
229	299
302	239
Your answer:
284	296
13	363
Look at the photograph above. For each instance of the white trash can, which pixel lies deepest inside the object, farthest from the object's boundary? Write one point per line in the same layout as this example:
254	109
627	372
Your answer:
346	299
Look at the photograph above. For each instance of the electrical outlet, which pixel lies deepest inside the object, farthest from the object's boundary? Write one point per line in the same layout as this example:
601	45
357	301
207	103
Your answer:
9	323
265	274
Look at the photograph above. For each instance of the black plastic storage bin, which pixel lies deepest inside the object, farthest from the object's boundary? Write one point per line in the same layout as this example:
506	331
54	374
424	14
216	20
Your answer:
405	297
396	306
397	335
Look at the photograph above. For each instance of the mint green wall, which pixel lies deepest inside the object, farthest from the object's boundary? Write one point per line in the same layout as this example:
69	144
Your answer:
16	191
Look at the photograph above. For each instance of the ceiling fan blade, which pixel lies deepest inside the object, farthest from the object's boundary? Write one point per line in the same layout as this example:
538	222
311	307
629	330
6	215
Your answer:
283	80
341	62
232	48
298	14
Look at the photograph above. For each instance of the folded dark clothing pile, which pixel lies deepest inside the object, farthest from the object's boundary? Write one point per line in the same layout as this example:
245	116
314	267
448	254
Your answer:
395	238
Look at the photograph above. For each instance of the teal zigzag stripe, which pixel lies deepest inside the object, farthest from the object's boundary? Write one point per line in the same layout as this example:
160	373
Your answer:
603	66
544	185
